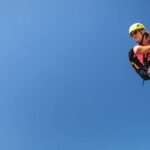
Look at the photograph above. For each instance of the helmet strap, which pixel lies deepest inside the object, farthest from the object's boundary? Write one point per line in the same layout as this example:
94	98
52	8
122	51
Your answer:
143	35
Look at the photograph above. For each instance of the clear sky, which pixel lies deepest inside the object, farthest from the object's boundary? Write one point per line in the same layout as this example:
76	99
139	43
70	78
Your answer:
65	79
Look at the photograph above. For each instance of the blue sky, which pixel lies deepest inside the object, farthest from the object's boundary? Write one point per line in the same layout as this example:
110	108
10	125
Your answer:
65	80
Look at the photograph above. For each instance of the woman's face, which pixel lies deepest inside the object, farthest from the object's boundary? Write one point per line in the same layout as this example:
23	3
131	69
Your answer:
136	35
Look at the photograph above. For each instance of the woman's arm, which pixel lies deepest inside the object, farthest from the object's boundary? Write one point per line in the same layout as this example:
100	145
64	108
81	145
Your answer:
143	49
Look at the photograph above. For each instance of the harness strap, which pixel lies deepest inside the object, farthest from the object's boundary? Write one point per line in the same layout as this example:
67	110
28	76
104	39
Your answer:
145	57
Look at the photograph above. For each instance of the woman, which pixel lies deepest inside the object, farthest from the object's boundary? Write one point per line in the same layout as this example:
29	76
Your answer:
140	52
139	34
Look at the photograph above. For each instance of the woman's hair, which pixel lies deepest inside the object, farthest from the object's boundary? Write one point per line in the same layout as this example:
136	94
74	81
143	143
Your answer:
146	34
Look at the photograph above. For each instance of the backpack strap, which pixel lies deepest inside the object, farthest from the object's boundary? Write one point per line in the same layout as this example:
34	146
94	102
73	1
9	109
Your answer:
145	59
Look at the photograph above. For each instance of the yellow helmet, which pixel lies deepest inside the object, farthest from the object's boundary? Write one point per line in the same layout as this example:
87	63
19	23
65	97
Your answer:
136	26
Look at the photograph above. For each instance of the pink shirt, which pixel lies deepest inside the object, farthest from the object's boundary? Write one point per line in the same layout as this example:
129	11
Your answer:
140	57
